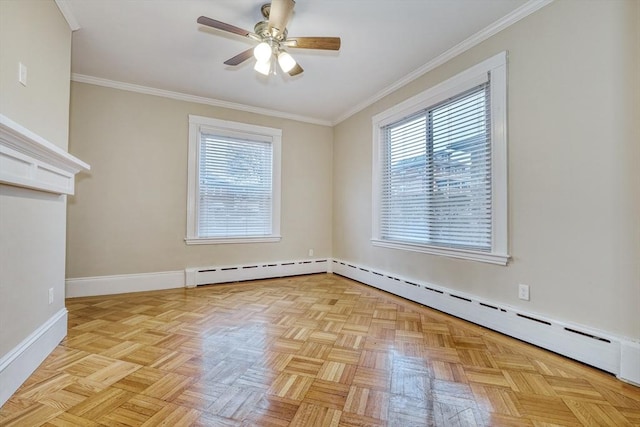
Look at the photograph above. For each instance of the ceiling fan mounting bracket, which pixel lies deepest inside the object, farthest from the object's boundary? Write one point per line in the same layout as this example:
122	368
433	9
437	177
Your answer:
265	9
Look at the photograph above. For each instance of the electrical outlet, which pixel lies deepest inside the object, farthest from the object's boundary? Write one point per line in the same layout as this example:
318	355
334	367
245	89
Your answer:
523	292
310	252
50	295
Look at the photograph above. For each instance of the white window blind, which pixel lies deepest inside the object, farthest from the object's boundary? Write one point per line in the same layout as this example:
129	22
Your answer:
233	192
440	168
235	187
437	174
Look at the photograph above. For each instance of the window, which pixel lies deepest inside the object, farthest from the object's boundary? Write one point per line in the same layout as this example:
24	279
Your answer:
440	168
234	182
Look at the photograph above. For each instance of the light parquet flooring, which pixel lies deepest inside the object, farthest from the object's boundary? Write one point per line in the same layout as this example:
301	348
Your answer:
316	350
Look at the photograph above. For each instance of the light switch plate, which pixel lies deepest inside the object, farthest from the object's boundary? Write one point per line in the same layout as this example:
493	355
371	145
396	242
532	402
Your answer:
22	73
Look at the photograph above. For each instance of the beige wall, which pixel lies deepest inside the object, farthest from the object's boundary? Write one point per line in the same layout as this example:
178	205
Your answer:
35	33
574	150
129	215
32	252
32	224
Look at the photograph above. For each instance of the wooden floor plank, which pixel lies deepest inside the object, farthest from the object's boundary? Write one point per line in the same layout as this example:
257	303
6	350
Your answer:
317	350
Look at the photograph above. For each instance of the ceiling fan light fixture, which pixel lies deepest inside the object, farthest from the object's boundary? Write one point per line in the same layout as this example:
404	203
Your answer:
262	52
263	67
286	61
272	37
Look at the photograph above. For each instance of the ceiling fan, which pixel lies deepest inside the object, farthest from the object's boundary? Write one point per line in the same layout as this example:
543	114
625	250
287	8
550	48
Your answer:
272	37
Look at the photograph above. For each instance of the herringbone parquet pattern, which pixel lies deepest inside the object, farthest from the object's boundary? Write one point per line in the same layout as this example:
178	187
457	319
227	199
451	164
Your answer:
315	350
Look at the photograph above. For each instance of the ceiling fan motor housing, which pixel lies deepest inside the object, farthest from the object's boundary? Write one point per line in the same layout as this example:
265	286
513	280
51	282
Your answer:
262	29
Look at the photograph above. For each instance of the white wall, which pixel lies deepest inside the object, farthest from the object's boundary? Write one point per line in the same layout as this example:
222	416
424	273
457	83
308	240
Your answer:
574	147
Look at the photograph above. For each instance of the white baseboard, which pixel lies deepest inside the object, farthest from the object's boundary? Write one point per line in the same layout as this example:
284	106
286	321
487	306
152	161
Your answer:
630	362
123	283
236	273
19	363
608	352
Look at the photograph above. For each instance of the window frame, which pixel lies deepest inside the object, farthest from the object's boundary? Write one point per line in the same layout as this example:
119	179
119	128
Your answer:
199	125
496	67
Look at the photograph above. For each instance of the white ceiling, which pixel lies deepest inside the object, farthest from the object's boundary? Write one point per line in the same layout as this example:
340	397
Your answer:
158	44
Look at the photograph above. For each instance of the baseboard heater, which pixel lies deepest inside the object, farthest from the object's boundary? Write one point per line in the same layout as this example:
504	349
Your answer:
596	348
237	273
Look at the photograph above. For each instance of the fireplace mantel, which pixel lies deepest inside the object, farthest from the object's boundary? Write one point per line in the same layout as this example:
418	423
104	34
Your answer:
30	161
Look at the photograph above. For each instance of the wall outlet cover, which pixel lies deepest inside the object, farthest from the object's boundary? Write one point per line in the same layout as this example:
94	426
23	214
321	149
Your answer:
523	292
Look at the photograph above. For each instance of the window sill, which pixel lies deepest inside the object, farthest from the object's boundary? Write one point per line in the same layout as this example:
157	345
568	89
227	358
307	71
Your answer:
227	240
491	258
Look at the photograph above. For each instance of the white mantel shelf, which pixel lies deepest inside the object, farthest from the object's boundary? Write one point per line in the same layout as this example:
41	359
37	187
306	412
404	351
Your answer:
30	161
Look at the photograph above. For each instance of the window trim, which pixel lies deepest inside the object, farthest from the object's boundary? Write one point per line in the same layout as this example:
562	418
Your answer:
496	66
198	124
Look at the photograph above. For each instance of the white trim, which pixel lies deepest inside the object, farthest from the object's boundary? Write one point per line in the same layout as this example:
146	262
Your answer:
190	277
482	35
493	69
67	12
630	363
123	283
609	352
260	270
491	258
499	159
30	161
81	78
22	360
467	79
199	125
228	240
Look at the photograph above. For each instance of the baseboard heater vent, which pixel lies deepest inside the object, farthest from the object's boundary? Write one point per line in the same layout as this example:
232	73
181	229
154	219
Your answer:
460	298
595	337
236	273
488	306
544	322
569	340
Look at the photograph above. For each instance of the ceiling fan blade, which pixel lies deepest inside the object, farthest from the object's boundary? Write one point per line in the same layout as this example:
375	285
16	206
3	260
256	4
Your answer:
240	58
223	26
279	15
296	70
326	43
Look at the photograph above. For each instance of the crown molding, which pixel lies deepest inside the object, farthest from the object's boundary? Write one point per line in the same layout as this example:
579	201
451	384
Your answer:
68	14
81	78
506	21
